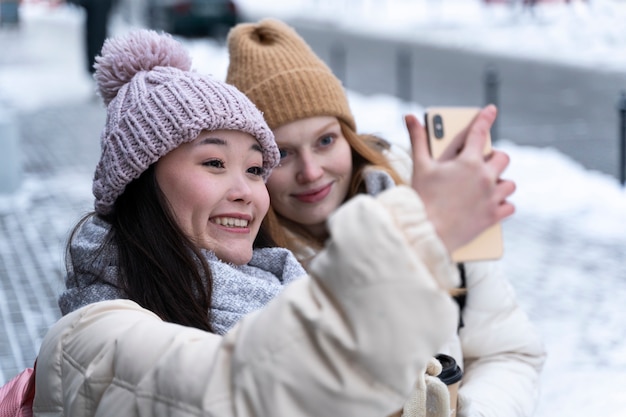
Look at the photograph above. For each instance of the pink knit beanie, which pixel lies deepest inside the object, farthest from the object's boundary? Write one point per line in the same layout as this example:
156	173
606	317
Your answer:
155	103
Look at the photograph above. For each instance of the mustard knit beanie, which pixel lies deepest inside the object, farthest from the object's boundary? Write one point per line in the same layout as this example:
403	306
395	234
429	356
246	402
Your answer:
280	73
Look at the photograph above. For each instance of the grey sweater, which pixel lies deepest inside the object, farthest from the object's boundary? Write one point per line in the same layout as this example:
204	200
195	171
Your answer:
237	289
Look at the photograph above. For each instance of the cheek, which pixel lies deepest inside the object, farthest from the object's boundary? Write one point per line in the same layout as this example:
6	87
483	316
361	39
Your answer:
175	189
181	194
342	159
263	200
280	181
181	206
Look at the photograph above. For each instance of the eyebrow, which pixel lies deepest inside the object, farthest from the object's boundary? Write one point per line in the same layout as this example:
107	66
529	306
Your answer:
329	126
211	141
222	142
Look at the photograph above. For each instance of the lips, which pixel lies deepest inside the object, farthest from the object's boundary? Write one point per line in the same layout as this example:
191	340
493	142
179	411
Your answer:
314	196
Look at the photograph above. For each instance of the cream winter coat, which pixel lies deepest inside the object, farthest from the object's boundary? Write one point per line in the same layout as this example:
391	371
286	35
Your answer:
349	340
499	348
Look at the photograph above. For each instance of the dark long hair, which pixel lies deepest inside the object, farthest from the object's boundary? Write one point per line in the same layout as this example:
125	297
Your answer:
158	266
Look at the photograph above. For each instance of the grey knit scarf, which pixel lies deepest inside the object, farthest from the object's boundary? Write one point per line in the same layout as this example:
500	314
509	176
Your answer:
377	181
237	289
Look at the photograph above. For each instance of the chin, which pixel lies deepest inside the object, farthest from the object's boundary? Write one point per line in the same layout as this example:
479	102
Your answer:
236	259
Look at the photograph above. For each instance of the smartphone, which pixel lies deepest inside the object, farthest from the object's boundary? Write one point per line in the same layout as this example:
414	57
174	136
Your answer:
446	128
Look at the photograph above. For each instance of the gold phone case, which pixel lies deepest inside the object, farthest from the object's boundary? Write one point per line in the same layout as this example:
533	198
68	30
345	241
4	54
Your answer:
443	124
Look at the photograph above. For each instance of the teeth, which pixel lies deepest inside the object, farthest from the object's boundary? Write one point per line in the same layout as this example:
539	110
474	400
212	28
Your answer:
231	222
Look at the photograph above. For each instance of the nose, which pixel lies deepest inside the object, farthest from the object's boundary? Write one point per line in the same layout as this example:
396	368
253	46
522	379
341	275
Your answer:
310	168
239	189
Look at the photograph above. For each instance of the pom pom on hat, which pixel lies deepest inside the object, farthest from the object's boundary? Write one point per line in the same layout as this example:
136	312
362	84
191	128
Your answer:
122	58
155	103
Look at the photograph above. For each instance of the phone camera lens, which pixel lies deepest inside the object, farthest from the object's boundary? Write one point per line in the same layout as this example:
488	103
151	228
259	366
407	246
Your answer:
438	126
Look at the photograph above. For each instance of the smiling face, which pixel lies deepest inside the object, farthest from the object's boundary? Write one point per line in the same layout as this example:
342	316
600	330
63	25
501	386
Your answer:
215	189
314	174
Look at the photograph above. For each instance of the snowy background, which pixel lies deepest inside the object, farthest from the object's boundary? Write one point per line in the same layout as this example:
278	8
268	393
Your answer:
566	245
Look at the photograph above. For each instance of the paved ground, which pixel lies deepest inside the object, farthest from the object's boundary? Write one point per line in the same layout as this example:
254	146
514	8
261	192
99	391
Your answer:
58	146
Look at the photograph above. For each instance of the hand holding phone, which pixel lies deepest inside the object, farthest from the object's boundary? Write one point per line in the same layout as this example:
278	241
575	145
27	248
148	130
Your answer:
464	194
447	129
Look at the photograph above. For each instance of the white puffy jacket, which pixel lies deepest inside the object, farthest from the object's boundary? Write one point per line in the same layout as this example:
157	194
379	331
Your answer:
349	340
499	348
